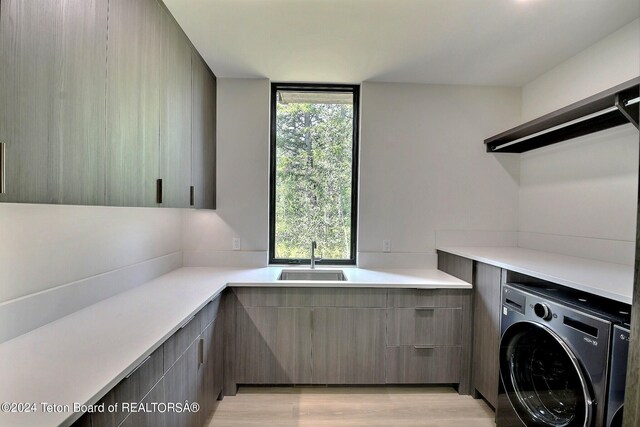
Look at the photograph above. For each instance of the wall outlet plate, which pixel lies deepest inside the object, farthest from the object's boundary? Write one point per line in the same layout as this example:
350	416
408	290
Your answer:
235	245
386	246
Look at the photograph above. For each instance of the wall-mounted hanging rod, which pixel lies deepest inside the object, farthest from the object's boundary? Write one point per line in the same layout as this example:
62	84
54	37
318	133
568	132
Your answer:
622	107
560	126
612	107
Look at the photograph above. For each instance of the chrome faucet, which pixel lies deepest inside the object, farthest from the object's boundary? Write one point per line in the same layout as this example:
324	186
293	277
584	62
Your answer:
313	255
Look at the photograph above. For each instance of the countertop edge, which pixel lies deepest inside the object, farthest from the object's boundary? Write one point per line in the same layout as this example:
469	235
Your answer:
468	253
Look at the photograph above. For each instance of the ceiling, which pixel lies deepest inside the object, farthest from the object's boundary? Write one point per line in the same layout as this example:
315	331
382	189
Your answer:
480	42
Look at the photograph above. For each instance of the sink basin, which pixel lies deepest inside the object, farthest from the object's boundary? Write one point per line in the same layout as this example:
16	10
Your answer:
324	275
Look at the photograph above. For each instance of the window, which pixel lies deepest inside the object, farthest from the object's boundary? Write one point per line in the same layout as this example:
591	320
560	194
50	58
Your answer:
314	171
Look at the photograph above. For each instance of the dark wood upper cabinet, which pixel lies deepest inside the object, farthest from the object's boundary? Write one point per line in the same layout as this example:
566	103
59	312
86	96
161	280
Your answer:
97	104
133	102
175	115
203	135
52	100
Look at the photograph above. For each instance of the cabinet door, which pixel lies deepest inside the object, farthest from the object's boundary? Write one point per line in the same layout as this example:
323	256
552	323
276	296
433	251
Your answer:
133	388
486	331
180	383
152	418
203	135
133	110
52	100
211	369
175	115
273	345
348	345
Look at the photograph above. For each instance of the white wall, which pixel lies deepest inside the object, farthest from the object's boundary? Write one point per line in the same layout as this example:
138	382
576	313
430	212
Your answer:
579	197
424	167
58	259
243	181
611	61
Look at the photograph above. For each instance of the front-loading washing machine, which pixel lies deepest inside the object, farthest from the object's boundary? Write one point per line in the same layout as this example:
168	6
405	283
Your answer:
554	356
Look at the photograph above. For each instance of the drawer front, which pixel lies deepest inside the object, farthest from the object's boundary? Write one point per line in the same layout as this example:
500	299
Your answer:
433	365
436	326
209	313
181	340
131	389
427	297
311	297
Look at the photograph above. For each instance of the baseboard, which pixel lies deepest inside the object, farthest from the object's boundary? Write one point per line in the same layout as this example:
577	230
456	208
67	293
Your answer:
21	315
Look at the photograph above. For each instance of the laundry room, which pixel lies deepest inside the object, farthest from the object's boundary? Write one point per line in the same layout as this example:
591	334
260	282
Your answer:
319	212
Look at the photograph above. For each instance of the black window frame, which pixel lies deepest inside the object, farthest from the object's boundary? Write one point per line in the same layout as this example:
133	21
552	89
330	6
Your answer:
314	87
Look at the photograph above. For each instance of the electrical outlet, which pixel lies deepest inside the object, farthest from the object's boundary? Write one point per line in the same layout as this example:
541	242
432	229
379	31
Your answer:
386	246
236	244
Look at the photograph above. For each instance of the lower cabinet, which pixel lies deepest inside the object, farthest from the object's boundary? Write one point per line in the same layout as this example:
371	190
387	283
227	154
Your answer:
487	283
426	342
348	345
149	419
486	334
423	364
181	385
273	345
188	367
395	336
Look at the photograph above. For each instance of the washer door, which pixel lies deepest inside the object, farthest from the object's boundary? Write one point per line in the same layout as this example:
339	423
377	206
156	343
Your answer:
542	378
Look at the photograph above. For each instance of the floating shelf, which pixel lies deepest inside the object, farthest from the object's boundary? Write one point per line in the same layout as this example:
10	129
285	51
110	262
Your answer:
607	109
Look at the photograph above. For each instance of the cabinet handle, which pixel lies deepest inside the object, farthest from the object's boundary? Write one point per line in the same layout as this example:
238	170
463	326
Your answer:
192	195
424	347
2	167
158	191
138	367
201	352
187	322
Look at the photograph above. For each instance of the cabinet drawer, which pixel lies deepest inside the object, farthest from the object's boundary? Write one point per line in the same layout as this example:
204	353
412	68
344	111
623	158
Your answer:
311	297
181	340
209	313
436	326
430	365
427	297
131	389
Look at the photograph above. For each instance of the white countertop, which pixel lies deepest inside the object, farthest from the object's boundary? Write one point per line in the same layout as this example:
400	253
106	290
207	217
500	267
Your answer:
609	280
80	357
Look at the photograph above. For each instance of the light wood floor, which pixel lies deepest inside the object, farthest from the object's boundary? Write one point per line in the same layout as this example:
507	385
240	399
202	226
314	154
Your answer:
340	406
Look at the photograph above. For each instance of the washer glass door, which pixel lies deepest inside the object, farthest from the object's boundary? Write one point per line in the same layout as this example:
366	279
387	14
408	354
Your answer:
542	378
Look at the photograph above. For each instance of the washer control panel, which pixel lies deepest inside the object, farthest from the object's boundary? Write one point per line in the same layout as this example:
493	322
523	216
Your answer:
542	311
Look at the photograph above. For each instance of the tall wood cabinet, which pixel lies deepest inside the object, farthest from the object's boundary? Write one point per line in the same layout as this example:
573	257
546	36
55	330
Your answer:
101	99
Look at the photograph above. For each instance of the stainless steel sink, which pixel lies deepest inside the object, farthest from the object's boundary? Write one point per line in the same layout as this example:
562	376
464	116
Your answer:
324	275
